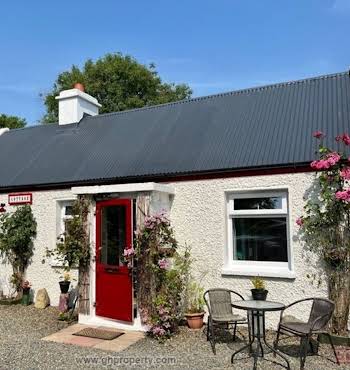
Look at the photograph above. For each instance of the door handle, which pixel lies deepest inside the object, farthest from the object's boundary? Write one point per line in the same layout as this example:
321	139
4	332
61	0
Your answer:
111	270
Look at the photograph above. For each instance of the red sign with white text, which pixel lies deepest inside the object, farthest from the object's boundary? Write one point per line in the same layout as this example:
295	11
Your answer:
17	199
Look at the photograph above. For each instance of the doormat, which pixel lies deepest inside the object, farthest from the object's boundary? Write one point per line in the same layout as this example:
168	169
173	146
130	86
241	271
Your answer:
99	333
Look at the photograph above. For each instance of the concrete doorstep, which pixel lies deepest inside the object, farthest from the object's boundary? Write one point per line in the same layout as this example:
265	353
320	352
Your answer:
115	345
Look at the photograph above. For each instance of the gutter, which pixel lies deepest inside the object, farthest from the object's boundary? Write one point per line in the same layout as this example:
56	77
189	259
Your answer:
166	178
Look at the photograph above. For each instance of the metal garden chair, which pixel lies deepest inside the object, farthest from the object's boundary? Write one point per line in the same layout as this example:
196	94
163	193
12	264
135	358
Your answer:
220	312
320	314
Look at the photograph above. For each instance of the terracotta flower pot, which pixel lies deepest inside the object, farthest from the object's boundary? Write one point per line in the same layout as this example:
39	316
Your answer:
195	320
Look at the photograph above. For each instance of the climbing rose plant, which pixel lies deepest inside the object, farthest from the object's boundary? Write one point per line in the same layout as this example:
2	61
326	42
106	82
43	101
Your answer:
325	225
162	274
17	233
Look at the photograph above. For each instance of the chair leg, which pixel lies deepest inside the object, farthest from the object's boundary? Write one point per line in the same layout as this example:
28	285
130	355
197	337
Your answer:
333	347
208	328
312	347
212	335
303	351
275	342
234	332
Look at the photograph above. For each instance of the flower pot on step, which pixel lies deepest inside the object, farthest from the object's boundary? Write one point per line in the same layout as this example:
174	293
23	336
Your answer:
195	320
64	286
25	298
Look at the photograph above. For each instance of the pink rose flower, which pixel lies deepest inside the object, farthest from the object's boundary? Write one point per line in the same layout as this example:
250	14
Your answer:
318	134
343	195
345	173
324	164
129	252
345	138
164	263
333	158
299	221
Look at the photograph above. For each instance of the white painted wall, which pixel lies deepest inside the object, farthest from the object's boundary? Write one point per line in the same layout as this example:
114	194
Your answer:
41	275
198	215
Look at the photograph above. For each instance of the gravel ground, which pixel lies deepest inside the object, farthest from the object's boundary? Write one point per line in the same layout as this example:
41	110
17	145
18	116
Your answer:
21	348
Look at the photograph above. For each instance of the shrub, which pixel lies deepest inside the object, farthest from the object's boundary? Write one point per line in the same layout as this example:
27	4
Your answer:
17	231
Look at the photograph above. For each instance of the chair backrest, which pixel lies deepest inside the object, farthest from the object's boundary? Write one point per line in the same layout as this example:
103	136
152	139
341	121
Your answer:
321	310
219	301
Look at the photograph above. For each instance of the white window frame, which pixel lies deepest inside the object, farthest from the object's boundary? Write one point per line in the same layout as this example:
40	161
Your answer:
257	268
61	216
64	217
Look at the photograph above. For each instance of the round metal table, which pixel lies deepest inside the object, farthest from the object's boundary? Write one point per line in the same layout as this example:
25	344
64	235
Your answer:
256	318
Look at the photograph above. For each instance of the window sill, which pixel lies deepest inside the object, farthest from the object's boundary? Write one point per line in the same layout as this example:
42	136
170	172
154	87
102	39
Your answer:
59	264
261	271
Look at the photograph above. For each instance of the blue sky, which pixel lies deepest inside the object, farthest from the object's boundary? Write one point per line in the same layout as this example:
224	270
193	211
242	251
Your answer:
213	46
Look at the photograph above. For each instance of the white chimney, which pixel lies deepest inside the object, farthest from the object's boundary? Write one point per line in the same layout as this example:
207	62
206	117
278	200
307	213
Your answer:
3	130
73	103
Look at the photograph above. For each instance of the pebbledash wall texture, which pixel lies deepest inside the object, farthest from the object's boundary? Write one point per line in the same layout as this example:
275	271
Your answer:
199	216
42	272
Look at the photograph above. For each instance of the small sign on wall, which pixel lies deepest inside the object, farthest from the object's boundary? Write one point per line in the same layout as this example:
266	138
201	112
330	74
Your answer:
16	199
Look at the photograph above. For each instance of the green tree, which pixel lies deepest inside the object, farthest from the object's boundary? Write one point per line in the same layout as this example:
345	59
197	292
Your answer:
11	121
119	82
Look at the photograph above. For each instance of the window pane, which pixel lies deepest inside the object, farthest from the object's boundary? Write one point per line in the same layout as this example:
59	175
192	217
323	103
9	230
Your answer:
112	234
261	239
258	203
68	210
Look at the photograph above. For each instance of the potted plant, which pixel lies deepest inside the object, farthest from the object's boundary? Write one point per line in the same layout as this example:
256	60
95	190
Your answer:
65	283
259	292
26	285
195	308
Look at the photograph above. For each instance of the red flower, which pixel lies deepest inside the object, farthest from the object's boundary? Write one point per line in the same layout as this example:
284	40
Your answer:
345	138
345	173
318	134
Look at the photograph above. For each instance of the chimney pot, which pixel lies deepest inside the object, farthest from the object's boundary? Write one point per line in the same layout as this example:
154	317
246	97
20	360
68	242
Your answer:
79	86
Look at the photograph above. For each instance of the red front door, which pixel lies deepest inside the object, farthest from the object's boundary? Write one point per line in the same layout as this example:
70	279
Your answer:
113	279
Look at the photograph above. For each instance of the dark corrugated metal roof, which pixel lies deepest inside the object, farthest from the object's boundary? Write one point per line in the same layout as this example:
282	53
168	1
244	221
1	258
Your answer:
260	127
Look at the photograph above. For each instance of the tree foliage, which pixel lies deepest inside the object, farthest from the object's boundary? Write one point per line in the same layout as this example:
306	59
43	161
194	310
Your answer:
16	240
11	121
118	82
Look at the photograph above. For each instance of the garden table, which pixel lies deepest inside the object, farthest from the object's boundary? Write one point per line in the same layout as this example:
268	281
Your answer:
256	314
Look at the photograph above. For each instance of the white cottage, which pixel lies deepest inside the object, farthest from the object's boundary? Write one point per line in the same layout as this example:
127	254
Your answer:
231	169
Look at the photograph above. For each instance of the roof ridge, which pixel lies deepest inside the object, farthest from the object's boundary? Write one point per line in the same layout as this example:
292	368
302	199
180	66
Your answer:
228	93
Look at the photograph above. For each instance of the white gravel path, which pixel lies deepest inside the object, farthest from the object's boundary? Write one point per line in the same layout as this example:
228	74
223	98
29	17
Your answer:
21	329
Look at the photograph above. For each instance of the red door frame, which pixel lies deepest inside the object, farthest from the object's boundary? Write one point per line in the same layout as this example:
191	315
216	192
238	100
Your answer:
117	304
